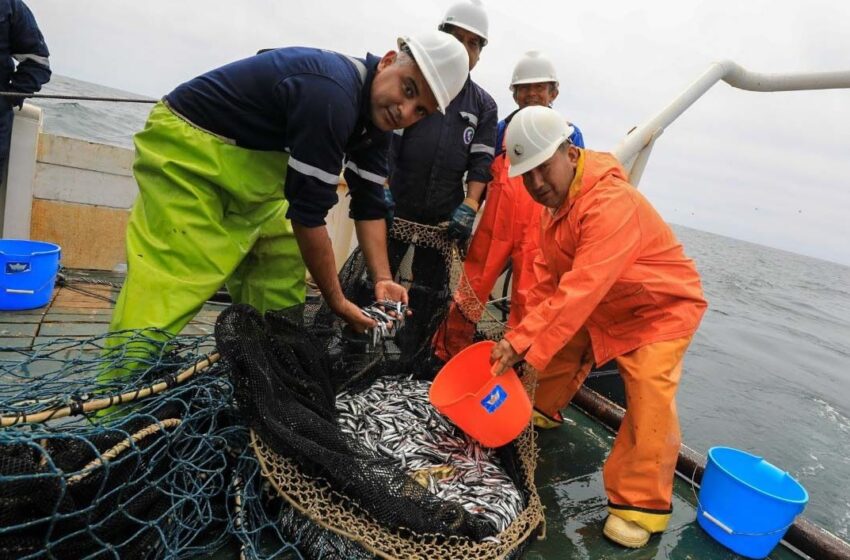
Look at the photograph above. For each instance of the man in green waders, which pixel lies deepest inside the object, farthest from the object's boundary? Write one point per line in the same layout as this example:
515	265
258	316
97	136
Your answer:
238	168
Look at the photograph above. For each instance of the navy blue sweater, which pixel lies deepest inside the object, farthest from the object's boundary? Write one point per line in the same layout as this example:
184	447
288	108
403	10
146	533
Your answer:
311	103
21	40
430	159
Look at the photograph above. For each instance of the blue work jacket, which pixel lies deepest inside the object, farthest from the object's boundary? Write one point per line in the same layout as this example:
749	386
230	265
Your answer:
430	159
314	105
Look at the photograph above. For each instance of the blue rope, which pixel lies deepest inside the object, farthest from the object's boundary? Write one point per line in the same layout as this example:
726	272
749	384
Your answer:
170	493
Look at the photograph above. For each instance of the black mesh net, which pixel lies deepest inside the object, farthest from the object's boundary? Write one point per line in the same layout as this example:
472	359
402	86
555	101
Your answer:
284	385
411	350
288	366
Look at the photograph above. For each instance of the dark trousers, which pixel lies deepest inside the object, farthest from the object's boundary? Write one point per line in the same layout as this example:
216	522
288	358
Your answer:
428	268
6	119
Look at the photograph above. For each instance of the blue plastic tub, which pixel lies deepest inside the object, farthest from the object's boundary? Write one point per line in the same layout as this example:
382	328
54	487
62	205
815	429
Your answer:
28	274
747	504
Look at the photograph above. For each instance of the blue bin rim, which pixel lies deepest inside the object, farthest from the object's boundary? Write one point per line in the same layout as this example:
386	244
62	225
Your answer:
804	500
39	248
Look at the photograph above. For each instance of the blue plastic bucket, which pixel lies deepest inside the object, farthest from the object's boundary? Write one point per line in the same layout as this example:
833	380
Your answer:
747	504
27	273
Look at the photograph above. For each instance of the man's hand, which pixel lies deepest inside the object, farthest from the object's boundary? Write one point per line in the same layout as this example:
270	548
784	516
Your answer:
386	289
460	226
354	316
502	357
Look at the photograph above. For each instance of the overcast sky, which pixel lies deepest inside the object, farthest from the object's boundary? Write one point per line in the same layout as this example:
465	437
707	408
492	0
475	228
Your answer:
773	168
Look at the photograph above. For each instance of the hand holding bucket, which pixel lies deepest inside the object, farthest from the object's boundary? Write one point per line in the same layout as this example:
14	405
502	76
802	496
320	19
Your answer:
494	410
503	357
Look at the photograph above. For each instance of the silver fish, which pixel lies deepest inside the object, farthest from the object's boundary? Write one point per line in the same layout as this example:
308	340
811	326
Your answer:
394	417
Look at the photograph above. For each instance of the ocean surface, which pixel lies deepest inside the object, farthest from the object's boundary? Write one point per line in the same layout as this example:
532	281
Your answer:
768	372
97	121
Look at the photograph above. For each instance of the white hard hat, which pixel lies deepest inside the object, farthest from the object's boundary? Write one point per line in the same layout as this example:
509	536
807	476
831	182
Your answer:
533	136
533	68
443	61
469	15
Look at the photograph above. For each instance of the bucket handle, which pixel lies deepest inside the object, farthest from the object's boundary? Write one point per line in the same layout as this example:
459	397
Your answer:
457	400
39	288
726	528
717	522
39	253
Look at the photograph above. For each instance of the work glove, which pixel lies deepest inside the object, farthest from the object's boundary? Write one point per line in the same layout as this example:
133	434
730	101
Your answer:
460	226
390	203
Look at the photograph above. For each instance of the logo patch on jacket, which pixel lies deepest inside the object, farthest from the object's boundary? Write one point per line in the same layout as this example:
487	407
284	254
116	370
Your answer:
468	133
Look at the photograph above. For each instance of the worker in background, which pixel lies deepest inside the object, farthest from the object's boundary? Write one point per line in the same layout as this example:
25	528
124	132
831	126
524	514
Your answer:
238	168
508	228
612	282
441	164
21	41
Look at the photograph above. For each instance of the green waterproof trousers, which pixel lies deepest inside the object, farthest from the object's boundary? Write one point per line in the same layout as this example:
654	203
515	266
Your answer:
208	213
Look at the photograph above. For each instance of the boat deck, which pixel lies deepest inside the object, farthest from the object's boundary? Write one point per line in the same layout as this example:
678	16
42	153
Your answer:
569	475
569	480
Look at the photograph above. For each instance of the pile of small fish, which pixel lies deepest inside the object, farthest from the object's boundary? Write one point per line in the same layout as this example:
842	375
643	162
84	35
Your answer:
394	418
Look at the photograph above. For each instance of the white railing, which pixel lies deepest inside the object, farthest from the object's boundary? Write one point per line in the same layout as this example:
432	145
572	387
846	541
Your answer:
634	150
16	192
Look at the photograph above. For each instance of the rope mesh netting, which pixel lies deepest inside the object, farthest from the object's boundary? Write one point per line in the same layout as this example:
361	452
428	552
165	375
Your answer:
183	453
145	480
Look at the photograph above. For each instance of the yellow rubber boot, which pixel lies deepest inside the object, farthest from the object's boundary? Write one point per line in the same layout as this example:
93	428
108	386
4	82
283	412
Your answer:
545	422
625	533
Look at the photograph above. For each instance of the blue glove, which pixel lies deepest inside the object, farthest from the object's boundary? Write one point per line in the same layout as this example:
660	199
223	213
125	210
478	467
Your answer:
460	226
390	203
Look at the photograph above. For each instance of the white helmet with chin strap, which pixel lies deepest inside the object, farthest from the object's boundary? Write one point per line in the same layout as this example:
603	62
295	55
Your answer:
443	61
469	15
533	68
533	136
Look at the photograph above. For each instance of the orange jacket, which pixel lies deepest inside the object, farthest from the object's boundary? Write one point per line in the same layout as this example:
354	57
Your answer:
607	260
508	230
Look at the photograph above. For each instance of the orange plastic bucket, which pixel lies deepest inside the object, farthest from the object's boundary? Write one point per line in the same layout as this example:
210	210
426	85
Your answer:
491	409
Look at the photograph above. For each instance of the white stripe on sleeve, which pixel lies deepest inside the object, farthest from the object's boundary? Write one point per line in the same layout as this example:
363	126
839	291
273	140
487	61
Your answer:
369	176
42	60
311	171
481	148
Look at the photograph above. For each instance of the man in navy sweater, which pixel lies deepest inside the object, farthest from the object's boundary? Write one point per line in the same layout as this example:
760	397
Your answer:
21	41
441	165
238	168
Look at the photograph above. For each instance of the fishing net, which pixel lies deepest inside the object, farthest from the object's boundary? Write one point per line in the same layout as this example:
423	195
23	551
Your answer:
183	454
261	522
147	480
288	369
484	318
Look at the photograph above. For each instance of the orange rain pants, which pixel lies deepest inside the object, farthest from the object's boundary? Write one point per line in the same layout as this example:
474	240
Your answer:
639	471
508	229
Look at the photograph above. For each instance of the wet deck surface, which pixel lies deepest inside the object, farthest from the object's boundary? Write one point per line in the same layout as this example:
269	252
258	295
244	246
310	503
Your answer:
79	311
569	479
569	475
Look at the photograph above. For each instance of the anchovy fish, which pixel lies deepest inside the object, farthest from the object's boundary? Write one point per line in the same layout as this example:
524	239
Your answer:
394	418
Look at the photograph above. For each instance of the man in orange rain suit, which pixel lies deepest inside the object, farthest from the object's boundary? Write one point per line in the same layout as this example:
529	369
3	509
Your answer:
613	282
508	226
